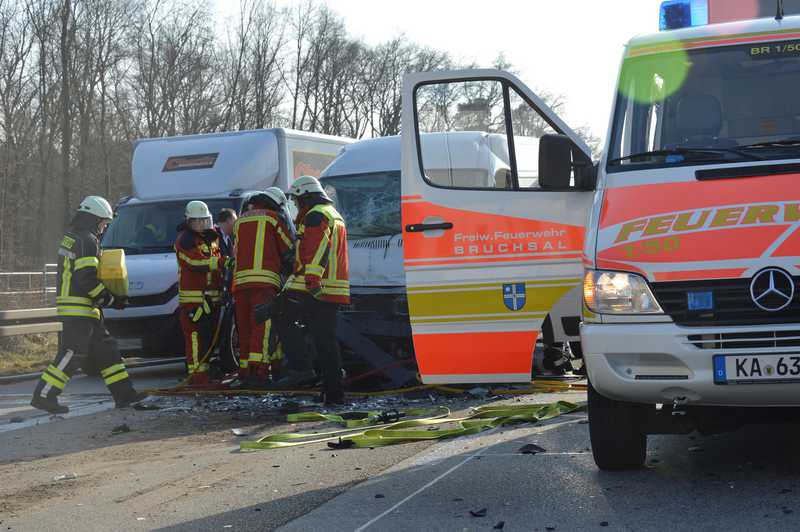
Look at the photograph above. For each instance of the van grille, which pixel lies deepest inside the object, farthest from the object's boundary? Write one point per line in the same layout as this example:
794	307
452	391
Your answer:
154	299
732	304
746	340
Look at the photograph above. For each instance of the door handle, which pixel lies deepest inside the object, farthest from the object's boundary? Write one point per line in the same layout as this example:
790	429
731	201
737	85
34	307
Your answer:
418	228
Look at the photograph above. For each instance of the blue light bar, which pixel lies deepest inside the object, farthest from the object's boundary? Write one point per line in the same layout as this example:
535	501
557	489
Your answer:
676	14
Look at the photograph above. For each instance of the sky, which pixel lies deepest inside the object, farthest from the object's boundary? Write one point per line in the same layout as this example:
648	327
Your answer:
568	47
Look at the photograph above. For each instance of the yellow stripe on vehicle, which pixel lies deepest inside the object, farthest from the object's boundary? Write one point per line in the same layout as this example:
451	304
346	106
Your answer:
472	302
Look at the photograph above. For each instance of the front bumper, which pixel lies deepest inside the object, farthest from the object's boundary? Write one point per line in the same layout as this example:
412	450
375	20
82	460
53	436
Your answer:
659	363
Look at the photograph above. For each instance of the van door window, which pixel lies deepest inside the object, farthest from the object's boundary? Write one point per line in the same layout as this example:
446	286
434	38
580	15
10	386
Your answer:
479	134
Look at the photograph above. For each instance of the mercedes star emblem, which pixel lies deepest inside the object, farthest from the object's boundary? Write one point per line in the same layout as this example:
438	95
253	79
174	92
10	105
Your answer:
772	289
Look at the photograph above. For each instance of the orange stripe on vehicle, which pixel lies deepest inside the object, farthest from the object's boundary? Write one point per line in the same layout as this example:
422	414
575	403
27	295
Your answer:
720	244
405	198
618	266
721	40
790	247
625	204
700	275
431	262
476	352
480	236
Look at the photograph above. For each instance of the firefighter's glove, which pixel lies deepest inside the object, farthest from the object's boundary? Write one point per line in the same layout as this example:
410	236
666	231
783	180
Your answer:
287	262
202	311
119	302
314	286
264	312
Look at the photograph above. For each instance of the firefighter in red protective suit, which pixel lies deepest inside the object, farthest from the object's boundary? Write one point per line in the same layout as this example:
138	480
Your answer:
318	285
200	265
262	240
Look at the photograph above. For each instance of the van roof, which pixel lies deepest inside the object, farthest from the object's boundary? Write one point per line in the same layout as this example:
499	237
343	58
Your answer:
441	150
726	34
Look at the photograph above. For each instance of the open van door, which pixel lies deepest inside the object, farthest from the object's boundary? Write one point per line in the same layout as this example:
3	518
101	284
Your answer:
495	195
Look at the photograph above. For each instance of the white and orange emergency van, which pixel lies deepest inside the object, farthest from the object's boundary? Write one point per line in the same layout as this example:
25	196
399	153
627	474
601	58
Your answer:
688	230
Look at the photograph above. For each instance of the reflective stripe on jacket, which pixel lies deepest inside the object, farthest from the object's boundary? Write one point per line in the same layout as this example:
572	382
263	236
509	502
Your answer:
199	264
262	238
321	256
78	290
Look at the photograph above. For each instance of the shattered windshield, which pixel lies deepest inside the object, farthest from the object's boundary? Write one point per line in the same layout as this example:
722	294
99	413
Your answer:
152	227
723	104
369	203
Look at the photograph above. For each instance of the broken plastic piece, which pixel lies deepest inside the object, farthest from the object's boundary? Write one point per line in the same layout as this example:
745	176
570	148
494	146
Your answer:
531	448
478	513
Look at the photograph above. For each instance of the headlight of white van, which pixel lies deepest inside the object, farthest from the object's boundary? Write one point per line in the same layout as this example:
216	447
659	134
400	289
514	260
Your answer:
618	293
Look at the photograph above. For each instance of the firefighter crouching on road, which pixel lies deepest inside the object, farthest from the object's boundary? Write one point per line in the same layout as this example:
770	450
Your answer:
200	277
262	239
318	284
85	341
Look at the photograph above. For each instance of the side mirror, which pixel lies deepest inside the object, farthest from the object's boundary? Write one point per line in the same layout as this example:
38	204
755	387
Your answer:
558	158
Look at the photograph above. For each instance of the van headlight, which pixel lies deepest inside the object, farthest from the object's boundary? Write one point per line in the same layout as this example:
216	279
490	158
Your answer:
607	292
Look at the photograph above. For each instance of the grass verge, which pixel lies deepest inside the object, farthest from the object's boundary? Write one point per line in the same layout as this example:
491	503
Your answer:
26	354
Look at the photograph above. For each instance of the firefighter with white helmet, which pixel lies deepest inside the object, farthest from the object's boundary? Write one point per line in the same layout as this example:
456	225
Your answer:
85	341
318	285
262	240
200	279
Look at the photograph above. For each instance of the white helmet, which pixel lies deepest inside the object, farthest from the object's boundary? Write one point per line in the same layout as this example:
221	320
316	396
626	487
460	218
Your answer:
307	184
276	195
97	206
197	209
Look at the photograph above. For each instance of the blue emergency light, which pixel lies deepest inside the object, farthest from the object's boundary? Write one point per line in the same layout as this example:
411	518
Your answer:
676	14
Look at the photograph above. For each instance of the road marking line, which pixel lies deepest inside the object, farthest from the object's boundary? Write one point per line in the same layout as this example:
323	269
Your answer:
478	453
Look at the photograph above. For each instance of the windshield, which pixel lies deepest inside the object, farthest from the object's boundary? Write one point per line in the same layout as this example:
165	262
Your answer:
369	203
152	227
707	106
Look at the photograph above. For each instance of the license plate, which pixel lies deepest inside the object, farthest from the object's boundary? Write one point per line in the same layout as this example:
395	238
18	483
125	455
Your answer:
750	369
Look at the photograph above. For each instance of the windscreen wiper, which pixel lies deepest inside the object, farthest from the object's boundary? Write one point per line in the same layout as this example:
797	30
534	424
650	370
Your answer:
791	142
690	154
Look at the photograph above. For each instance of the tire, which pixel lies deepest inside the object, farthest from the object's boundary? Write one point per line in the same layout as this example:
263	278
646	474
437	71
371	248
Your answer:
616	432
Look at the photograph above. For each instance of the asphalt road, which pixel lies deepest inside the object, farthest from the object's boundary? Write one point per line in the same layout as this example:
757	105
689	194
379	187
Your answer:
84	395
747	480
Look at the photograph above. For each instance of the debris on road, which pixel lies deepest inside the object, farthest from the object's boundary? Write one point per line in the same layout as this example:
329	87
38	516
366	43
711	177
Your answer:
16	420
531	448
240	432
120	429
478	513
499	526
65	476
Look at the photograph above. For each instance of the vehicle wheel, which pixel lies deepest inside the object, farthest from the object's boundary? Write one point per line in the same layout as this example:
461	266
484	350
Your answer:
616	432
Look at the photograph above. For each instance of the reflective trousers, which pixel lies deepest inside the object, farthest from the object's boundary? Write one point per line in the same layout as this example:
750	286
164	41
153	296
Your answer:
320	319
197	336
254	352
86	344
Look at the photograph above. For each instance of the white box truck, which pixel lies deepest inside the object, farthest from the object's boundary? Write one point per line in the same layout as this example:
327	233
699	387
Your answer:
220	169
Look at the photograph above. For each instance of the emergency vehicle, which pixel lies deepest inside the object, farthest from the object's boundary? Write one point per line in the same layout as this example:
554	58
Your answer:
364	182
220	169
691	248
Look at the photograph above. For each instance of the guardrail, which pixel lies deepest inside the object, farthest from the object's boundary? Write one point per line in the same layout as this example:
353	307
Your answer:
29	321
29	283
